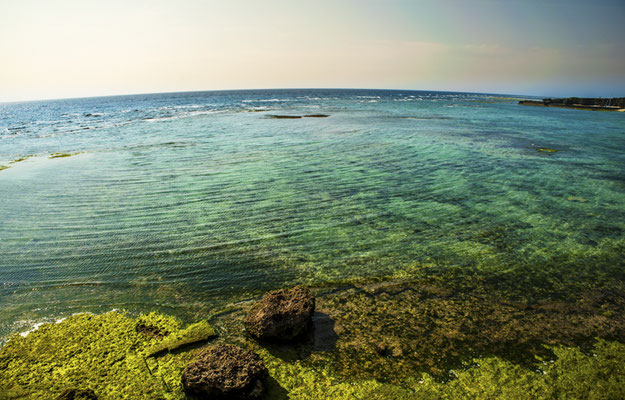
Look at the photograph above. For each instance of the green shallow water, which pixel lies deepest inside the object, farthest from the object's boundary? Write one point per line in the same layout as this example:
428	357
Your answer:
186	212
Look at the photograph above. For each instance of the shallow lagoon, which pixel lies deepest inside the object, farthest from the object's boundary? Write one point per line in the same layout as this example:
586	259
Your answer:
187	203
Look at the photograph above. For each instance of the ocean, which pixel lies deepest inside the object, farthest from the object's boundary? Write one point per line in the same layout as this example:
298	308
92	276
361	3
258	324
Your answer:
189	202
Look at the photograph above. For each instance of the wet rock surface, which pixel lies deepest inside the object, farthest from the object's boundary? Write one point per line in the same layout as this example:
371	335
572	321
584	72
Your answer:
281	315
225	371
77	394
151	330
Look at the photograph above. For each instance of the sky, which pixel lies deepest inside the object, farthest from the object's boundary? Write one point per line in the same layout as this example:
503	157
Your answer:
79	48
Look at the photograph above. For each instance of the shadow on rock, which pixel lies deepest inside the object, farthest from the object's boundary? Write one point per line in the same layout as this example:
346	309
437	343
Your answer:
273	390
323	335
321	338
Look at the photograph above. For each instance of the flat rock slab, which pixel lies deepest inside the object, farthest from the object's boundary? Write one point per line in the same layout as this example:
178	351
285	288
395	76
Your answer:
195	333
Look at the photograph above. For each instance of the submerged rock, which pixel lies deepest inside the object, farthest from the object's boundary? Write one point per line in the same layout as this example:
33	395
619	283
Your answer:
546	150
285	116
225	371
281	314
77	394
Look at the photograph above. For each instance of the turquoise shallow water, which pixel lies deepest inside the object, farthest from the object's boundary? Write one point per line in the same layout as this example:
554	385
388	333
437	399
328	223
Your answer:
193	200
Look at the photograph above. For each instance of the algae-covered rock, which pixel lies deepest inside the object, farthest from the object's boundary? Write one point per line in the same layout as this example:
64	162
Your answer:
104	353
281	314
225	372
198	332
77	394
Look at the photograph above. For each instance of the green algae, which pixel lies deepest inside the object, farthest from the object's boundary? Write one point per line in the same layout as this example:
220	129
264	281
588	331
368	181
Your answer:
17	160
3	167
108	354
62	155
546	150
572	375
104	353
389	331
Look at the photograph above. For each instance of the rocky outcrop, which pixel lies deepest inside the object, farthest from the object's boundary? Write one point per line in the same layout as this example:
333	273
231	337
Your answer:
225	371
281	314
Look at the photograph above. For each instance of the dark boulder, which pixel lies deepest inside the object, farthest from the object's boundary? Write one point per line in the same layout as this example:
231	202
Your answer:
225	371
77	394
281	314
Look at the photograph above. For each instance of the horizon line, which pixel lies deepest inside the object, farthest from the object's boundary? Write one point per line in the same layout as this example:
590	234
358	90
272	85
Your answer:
258	89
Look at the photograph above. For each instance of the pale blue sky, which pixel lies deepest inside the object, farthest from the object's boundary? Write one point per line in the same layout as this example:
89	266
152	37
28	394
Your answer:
71	48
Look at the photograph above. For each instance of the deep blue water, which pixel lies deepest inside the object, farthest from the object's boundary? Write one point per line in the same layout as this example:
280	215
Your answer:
189	201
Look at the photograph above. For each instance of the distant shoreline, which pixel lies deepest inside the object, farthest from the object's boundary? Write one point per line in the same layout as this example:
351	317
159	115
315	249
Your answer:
592	104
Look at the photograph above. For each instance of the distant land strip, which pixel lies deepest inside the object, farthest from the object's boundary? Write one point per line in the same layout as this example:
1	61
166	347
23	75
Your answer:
580	103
